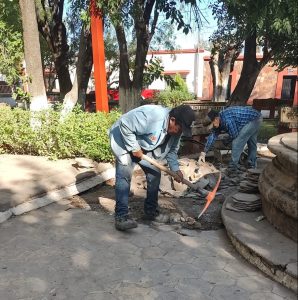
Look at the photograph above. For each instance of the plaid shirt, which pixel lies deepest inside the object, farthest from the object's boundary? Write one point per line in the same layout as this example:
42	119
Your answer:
232	120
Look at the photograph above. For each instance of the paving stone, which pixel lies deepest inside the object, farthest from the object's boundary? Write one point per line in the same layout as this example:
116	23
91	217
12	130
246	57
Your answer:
165	292
153	252
140	241
246	197
219	277
282	291
175	257
185	271
127	291
229	293
208	263
95	295
254	283
82	256
237	270
155	265
193	284
164	237
264	296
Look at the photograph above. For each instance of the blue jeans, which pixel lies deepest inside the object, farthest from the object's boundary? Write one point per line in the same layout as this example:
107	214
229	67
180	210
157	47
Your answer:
247	135
122	187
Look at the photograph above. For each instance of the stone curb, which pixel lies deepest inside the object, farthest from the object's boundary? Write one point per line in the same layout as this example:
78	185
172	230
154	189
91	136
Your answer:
278	271
58	194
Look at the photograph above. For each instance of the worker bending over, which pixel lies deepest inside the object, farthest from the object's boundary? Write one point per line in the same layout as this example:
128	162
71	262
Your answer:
242	123
153	130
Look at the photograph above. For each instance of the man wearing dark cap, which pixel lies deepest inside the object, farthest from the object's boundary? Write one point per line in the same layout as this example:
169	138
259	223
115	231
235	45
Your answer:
242	123
156	131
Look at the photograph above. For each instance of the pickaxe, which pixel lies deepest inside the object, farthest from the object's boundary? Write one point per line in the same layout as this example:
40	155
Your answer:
209	195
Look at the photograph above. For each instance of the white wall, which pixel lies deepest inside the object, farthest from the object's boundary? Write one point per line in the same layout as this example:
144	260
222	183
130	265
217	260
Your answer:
182	61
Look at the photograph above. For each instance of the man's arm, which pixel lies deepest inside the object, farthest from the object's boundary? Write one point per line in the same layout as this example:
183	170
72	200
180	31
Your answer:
172	156
210	141
130	126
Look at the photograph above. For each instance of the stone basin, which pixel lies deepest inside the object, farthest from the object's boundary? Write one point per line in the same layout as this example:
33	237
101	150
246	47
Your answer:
278	185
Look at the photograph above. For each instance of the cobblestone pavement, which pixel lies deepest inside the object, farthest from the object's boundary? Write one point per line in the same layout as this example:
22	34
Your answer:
62	253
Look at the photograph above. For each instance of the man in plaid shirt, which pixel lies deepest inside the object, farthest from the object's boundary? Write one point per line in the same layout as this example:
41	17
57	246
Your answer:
242	123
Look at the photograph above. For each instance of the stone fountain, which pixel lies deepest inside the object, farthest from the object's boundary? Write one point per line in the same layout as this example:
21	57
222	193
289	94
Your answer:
278	185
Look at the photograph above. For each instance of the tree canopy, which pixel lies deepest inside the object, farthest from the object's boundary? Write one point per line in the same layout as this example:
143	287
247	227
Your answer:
275	24
271	25
11	43
138	21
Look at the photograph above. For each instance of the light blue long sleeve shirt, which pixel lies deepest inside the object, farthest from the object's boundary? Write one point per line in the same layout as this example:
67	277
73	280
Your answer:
145	127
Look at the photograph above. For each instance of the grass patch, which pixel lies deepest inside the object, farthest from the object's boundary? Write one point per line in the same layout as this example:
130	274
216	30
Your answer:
269	128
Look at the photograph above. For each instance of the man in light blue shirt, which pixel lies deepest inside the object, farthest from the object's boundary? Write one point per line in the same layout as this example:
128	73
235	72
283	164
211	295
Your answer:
154	130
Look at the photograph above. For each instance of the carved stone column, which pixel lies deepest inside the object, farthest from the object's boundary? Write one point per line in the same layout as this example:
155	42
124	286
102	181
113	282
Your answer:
278	185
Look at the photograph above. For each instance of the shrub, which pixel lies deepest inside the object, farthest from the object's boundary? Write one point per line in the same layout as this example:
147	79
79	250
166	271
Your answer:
172	97
81	134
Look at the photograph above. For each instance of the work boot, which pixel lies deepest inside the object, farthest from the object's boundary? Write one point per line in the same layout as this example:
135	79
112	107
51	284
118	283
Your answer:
125	223
151	216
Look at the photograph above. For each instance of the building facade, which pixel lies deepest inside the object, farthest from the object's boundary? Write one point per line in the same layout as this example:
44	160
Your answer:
193	66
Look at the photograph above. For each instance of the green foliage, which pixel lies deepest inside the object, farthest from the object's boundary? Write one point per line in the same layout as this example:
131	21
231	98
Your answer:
275	23
10	14
21	96
11	52
154	70
172	97
138	22
81	134
180	84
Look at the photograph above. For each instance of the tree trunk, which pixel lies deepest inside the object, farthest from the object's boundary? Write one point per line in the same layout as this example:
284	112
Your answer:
143	40
72	97
125	84
249	74
221	65
130	90
33	56
87	68
128	94
63	75
53	30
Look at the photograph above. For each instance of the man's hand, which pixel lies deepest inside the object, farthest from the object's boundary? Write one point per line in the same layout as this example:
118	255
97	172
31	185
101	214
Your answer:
201	159
179	176
137	154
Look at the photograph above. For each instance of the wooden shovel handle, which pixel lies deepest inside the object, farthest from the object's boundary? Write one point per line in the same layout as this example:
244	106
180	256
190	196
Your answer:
168	171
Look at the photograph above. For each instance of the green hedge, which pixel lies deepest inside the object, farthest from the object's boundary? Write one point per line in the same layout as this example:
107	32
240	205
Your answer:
172	97
81	134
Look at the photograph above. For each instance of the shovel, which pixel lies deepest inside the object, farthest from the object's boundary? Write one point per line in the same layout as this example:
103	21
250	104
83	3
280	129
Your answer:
209	195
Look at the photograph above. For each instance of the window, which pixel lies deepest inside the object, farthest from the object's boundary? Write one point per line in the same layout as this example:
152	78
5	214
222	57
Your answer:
288	87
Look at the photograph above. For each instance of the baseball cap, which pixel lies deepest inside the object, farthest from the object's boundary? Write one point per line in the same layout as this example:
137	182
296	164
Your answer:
212	114
184	116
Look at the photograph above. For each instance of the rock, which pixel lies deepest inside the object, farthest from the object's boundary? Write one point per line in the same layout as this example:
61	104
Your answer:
78	202
82	162
174	218
202	182
107	204
246	197
190	220
162	218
